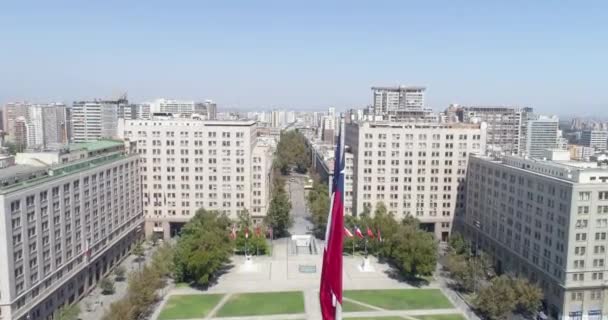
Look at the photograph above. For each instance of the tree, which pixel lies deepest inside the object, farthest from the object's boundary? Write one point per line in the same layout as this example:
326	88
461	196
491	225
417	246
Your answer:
162	260
528	295
278	216
107	286
292	151
119	310
244	218
255	244
498	300
120	273
203	247
415	251
457	244
318	204
67	312
138	251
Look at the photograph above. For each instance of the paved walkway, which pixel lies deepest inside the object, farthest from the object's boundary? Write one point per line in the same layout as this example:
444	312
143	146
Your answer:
281	272
95	304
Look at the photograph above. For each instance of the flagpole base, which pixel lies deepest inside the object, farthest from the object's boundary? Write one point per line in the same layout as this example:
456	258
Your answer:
366	265
248	266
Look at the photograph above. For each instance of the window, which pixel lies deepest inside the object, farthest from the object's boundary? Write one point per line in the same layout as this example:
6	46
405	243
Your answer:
603	195
583	210
584	196
576	296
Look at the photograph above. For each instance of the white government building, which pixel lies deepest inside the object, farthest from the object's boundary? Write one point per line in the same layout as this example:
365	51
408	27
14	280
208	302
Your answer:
67	220
415	169
545	219
191	164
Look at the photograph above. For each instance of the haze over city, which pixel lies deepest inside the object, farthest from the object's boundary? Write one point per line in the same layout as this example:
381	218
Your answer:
308	55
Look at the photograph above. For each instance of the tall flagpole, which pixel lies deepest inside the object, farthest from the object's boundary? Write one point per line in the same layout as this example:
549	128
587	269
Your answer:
330	291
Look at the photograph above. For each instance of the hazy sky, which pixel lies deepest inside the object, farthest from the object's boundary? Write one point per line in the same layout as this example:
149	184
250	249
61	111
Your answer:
552	55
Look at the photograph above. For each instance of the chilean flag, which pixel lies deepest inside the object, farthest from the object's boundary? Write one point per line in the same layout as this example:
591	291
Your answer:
358	233
370	233
330	291
347	232
233	232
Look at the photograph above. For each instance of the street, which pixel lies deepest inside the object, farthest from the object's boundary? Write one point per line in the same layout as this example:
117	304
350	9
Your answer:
299	212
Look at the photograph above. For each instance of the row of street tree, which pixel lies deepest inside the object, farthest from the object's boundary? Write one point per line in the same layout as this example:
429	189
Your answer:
495	297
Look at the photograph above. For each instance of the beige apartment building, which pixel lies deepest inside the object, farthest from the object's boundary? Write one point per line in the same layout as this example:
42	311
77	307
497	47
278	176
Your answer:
192	164
546	220
65	225
415	169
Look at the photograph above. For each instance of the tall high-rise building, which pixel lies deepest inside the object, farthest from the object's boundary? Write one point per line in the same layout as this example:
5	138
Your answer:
400	98
97	119
192	164
539	134
55	125
65	226
329	129
35	129
211	108
505	126
546	220
414	169
44	124
276	118
13	111
596	139
19	127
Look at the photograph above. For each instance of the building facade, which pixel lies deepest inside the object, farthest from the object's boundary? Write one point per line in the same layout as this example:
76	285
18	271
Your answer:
505	126
391	99
596	139
546	220
414	169
64	227
540	133
97	119
193	164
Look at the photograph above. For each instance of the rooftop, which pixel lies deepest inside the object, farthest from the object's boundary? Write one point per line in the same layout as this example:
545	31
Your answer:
18	171
95	145
570	170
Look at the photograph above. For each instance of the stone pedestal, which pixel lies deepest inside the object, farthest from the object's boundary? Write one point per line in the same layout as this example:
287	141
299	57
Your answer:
248	265
366	266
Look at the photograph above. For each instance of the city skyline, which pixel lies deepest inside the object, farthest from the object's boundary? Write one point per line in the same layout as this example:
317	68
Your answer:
307	56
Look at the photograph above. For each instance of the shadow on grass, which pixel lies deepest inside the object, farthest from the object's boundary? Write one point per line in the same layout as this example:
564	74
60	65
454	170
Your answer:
395	273
214	278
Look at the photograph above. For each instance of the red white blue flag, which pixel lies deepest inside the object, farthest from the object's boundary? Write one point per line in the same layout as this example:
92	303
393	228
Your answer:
330	292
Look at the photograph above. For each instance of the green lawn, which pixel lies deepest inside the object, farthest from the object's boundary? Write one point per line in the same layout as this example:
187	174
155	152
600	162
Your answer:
348	306
189	306
401	299
263	303
442	317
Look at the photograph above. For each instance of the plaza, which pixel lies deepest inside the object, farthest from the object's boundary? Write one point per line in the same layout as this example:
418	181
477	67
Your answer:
284	285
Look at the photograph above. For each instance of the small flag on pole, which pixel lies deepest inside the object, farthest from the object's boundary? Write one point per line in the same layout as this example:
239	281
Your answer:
246	233
379	235
370	233
358	233
233	232
258	231
347	232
